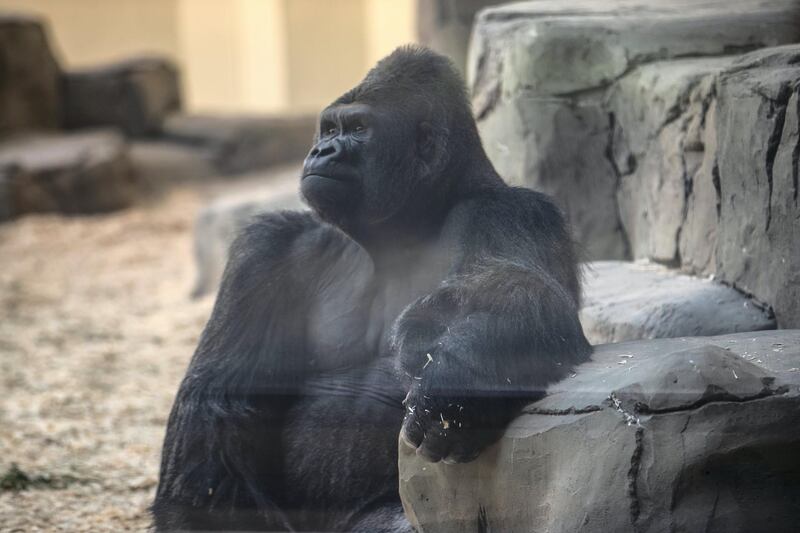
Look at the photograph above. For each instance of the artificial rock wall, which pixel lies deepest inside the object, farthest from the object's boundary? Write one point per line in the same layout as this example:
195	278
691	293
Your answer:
666	130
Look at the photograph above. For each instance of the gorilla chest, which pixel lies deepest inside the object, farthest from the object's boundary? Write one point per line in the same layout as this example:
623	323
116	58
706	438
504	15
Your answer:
405	280
352	317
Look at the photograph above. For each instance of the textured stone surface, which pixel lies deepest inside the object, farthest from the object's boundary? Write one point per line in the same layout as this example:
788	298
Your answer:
687	161
239	144
758	241
543	76
218	223
29	77
629	301
135	95
69	173
689	434
662	121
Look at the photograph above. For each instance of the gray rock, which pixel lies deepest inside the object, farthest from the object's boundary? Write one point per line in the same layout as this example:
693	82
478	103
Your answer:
758	241
159	164
544	74
218	223
29	77
561	150
661	126
689	434
630	301
239	144
135	95
69	173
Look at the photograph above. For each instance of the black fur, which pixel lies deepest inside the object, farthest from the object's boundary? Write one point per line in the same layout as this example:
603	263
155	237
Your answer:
421	276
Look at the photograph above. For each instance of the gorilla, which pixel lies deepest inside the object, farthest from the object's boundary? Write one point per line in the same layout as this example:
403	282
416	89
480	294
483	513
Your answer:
421	296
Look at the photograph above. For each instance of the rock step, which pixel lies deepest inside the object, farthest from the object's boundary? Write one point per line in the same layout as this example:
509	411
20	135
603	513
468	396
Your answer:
689	434
240	144
629	301
74	173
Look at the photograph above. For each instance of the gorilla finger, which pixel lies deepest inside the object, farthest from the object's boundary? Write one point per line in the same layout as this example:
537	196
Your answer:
412	432
435	447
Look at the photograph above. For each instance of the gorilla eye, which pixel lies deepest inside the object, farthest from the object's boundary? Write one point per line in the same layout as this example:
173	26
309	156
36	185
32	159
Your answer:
330	131
358	129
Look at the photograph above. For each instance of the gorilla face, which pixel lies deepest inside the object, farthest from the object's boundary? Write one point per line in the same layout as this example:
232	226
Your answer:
361	170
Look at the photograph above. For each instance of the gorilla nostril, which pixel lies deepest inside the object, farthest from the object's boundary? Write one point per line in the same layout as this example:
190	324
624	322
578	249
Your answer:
328	150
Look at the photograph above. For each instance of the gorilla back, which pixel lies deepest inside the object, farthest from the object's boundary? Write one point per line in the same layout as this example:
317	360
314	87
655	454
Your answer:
423	297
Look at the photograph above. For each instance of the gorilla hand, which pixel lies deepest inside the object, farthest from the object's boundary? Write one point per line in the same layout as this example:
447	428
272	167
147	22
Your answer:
451	413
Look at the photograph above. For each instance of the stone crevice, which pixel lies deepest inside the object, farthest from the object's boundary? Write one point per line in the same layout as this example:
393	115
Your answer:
712	396
633	478
712	513
778	111
618	174
532	410
796	154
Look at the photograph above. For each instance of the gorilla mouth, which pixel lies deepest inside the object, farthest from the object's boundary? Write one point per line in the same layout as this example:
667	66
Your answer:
341	178
322	176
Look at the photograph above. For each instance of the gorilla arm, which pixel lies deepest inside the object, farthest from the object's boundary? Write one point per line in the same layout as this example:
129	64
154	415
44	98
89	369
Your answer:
261	342
496	332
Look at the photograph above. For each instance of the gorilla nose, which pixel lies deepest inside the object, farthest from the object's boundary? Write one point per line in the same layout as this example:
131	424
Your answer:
325	151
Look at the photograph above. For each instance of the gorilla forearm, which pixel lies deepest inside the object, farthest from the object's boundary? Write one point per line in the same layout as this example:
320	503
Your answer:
496	332
504	323
502	335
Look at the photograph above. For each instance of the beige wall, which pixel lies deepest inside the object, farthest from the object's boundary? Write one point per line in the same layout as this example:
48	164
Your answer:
327	49
236	55
87	32
390	23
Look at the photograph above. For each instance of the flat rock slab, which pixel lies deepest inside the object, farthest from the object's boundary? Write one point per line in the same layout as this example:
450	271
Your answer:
240	144
629	301
69	173
689	434
218	223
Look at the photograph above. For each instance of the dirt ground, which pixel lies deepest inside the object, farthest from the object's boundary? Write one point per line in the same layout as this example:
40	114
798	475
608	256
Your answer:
96	329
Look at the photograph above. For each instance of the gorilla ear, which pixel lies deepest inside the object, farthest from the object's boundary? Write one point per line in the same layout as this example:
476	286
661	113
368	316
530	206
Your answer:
431	146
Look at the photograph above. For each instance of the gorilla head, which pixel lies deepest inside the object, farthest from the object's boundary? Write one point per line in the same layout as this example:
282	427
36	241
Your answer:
387	152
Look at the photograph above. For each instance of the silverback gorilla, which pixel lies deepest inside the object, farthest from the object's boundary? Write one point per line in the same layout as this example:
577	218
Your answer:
423	296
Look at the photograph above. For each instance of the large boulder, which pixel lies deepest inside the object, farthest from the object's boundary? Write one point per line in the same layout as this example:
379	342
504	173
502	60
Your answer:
541	72
69	173
220	221
239	144
630	301
689	434
29	77
134	95
652	154
758	224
